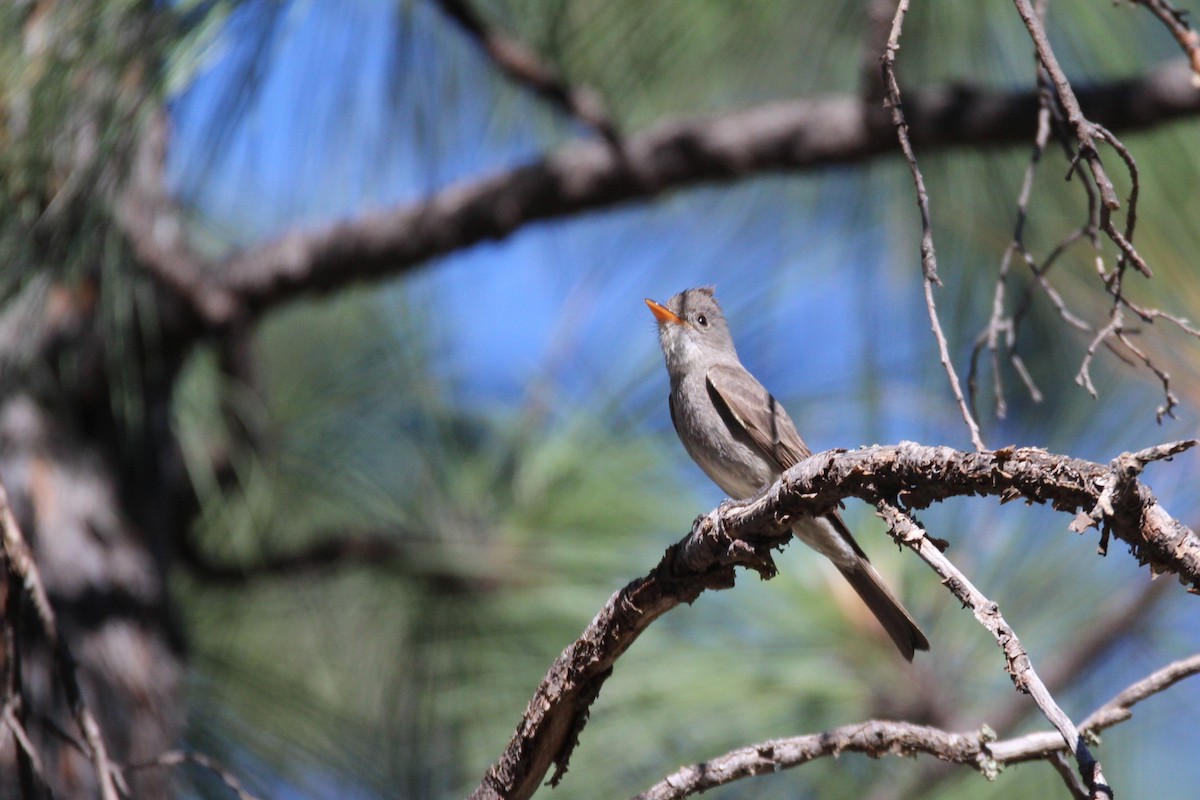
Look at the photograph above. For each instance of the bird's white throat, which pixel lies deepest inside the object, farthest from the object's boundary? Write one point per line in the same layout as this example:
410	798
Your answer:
681	351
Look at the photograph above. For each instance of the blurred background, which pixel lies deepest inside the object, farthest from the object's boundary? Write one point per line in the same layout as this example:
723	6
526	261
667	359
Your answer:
495	421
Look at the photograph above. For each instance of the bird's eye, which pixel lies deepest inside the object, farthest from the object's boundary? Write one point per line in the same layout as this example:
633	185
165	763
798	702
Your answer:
702	321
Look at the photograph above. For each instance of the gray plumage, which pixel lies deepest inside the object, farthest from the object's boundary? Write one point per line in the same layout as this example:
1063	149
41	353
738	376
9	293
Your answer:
743	439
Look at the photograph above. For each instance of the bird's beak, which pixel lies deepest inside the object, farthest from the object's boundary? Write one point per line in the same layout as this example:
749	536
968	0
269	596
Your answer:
662	313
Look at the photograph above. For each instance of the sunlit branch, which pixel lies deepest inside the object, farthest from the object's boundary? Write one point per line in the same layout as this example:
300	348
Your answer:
1120	708
1018	664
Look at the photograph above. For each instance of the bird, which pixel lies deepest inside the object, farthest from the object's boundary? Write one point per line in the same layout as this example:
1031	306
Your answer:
743	439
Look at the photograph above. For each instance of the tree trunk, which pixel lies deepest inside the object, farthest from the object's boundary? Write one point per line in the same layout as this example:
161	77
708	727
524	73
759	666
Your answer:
108	590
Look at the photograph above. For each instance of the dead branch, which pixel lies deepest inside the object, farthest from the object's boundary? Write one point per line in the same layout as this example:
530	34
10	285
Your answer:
743	534
875	738
1117	620
1038	745
1078	136
1082	127
878	738
1086	134
1018	664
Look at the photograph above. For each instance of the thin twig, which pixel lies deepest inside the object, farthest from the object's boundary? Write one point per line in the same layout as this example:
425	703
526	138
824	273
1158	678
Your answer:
876	738
1039	275
928	255
1167	409
1083	129
1062	766
1121	616
1084	376
1176	22
1120	708
1086	135
1000	322
1124	240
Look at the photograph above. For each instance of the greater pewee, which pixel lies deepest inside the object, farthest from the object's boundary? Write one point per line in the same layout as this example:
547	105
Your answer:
743	439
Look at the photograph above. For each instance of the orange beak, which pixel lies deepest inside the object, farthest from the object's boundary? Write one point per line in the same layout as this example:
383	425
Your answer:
662	313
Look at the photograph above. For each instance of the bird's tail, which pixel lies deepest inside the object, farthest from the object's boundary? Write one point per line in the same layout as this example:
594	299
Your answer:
898	623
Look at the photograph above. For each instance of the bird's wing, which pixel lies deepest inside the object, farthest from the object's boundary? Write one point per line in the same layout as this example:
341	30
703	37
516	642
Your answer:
752	408
743	401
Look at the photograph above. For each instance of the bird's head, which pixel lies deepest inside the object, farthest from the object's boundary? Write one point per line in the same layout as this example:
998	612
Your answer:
692	331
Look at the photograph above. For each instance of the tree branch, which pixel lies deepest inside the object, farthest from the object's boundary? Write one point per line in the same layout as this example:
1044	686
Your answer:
1176	22
878	738
745	533
1118	619
1038	745
875	738
584	176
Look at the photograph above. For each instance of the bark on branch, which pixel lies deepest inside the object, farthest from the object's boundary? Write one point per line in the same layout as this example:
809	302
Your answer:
907	475
585	176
